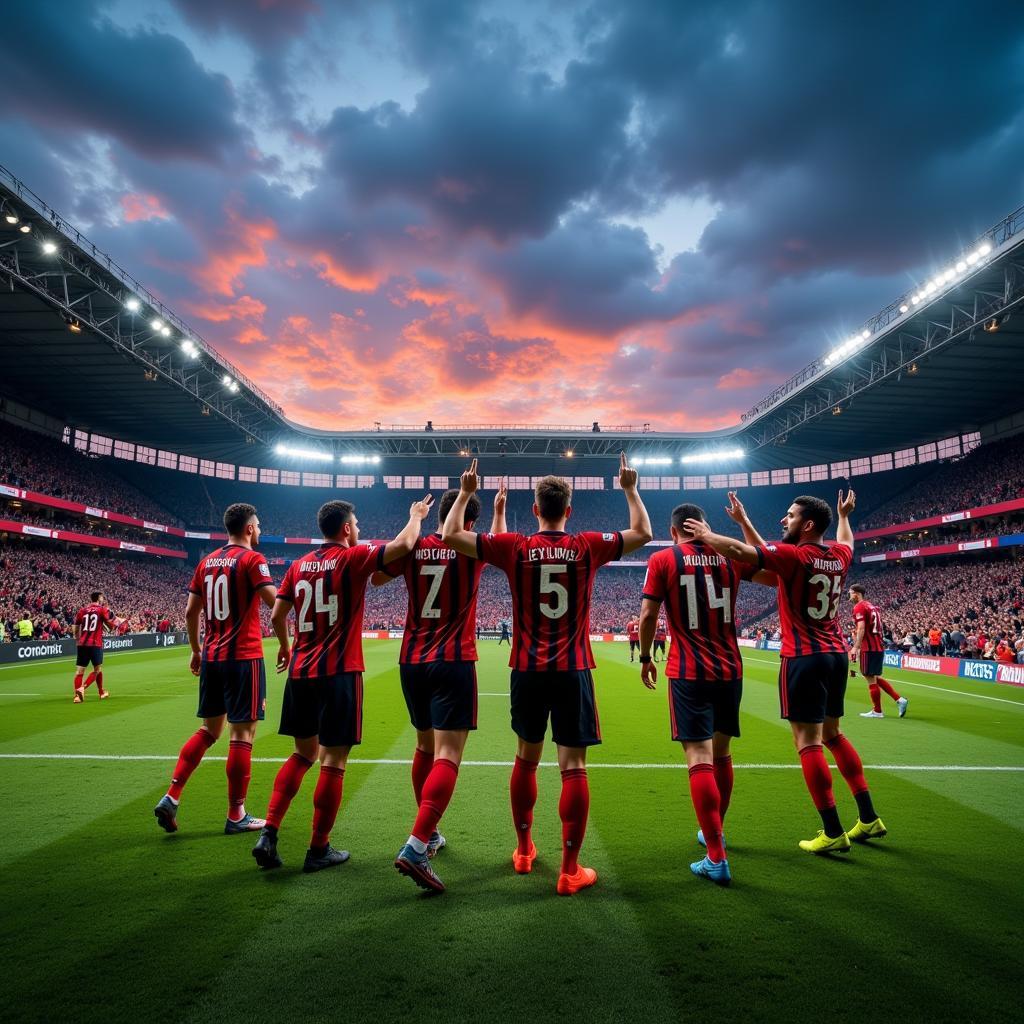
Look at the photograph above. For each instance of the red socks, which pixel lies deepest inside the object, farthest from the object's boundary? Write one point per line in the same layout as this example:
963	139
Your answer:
89	679
286	785
876	698
422	762
437	793
818	776
188	760
888	689
239	771
522	788
706	799
326	801
723	776
573	809
848	762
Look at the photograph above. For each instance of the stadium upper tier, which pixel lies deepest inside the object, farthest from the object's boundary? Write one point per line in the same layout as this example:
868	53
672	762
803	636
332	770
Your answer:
82	340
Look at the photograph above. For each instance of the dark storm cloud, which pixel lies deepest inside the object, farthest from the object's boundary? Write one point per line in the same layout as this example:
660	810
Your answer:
66	65
268	24
487	147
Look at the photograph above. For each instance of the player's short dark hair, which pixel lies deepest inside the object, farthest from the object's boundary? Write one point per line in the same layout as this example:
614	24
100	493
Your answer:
859	587
686	511
816	510
333	516
237	516
95	595
448	499
553	495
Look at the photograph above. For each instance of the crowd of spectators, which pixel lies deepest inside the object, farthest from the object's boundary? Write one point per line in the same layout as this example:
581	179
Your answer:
988	475
58	519
36	462
48	583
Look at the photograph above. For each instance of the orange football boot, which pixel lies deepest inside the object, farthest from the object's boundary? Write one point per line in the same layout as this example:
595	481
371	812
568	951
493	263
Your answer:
523	862
568	885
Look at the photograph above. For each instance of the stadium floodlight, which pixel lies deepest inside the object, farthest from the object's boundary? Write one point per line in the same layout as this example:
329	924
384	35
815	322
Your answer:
904	307
360	460
304	453
156	324
984	249
716	456
233	386
226	379
49	248
865	334
652	460
972	258
165	331
25	228
961	266
569	453
11	217
132	305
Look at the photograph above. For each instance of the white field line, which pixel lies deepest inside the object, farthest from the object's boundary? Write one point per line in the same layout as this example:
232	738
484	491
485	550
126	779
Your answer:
20	695
508	764
923	686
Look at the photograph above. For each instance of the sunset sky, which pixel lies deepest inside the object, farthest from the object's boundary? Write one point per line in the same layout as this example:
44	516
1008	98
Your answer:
519	212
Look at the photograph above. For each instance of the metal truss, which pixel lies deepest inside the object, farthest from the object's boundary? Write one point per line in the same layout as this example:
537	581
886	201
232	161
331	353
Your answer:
990	297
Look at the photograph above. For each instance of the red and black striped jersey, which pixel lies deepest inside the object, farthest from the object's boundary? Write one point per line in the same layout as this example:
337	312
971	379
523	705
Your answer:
699	588
90	620
327	587
809	588
440	623
660	632
228	580
866	612
551	575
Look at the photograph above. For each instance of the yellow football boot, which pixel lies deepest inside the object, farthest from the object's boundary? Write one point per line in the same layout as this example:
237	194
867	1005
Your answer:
861	833
821	843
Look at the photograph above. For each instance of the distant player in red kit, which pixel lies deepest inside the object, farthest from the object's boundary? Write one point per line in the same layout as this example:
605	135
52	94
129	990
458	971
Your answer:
869	651
551	575
323	698
815	665
633	636
699	588
437	665
88	628
660	639
226	589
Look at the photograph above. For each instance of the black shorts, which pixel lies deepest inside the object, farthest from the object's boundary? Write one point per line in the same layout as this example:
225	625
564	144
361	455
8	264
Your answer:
566	697
328	707
699	709
440	694
812	687
659	645
633	645
89	655
235	688
872	663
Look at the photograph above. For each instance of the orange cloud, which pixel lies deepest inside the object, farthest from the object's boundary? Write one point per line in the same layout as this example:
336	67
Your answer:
742	377
136	206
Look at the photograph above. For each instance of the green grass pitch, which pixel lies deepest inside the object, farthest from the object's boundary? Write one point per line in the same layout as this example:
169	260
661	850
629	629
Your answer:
107	919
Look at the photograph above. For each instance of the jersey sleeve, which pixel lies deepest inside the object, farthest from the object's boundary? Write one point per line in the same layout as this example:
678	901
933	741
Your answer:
108	616
604	547
366	559
858	612
196	586
286	592
499	549
258	571
654	581
398	566
79	616
747	571
778	558
843	553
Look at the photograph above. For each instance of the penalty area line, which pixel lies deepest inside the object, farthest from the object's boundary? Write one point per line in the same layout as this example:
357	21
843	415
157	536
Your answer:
508	764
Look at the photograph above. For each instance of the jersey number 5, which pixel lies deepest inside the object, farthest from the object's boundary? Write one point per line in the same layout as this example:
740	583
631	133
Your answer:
560	605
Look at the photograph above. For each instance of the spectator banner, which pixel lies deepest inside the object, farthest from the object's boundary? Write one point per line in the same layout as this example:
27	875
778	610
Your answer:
1012	674
41	650
893	659
87	538
943	549
984	670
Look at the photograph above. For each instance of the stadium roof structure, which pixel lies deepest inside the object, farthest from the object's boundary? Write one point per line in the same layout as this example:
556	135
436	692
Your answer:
85	342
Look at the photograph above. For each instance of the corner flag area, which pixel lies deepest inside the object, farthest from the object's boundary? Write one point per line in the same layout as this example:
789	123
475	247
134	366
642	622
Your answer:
184	927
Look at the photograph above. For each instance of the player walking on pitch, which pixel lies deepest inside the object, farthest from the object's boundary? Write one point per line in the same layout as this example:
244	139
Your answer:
699	588
815	665
88	628
437	665
323	697
226	589
551	575
869	651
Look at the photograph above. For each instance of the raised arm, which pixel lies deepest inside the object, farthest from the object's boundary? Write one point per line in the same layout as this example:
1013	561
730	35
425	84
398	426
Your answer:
453	530
639	532
498	524
844	506
727	546
738	514
406	540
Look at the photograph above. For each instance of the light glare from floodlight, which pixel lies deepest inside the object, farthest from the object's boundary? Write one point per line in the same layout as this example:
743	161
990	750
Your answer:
132	305
25	228
165	331
156	324
718	456
360	460
304	453
49	248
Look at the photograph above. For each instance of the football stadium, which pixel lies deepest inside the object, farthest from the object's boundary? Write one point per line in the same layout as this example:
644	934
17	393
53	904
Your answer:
514	516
